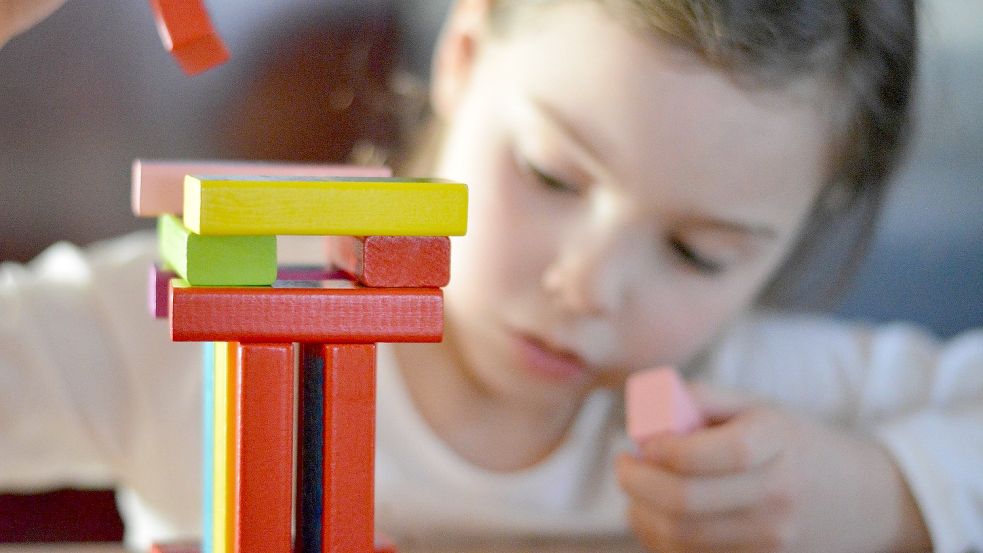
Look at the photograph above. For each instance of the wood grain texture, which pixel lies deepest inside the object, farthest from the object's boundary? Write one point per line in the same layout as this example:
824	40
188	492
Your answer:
319	315
157	186
393	261
304	206
216	260
223	496
264	448
335	496
187	32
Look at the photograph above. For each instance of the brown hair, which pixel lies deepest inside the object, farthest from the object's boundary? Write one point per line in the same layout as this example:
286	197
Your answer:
865	49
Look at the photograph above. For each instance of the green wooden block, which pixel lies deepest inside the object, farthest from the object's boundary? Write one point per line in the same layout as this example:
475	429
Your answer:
216	260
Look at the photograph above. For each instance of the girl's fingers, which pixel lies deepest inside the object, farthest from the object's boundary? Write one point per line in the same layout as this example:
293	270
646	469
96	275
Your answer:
691	496
736	532
747	440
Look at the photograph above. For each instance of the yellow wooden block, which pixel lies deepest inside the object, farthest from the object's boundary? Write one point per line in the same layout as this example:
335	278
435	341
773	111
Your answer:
223	499
329	206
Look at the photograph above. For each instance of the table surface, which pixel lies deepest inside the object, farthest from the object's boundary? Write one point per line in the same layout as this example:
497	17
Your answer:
620	546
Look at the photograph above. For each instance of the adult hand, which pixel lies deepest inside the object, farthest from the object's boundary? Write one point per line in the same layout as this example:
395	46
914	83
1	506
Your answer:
759	479
17	16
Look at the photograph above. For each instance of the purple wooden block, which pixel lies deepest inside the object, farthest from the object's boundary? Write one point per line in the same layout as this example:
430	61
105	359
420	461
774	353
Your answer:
157	291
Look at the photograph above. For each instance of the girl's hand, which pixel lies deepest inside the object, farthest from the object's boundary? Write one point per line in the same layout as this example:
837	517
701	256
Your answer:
760	479
17	16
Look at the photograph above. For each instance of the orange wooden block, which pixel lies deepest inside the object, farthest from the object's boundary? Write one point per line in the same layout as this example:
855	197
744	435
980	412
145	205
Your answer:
335	503
264	448
313	315
187	33
393	261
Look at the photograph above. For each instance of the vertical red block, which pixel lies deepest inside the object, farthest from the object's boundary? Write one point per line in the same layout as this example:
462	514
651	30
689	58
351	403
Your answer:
393	261
264	448
347	518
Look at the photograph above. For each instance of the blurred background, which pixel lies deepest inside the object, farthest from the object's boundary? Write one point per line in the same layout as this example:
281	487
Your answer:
92	88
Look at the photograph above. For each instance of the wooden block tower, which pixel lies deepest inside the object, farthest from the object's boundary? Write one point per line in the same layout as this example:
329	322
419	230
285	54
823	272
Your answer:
267	335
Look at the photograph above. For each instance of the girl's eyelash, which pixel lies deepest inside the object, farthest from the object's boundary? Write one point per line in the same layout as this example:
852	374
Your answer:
548	180
694	259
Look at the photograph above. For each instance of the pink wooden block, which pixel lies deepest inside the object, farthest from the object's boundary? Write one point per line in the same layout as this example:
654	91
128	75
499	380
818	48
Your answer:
158	185
657	401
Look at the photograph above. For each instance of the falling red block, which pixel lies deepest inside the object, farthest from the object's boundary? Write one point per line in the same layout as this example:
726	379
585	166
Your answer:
657	401
393	261
187	33
312	315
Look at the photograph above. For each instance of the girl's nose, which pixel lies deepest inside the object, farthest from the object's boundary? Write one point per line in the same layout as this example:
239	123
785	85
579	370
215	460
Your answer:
591	272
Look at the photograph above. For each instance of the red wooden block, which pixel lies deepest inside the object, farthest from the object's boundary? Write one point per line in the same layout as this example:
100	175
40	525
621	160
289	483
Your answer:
382	545
187	33
348	465
264	448
393	261
313	315
157	290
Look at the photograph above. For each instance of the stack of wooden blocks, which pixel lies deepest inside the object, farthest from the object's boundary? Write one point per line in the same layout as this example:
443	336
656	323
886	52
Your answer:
271	331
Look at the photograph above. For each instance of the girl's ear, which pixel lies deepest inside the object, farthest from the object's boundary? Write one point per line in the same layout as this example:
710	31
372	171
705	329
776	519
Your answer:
456	52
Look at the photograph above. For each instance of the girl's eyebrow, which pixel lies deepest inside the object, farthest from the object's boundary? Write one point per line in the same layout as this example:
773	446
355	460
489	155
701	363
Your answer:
757	231
567	127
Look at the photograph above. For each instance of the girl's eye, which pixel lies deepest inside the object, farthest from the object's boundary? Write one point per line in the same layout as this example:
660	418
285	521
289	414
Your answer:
694	259
549	181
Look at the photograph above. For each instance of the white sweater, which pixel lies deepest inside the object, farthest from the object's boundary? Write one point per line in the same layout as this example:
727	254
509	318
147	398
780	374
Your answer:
93	393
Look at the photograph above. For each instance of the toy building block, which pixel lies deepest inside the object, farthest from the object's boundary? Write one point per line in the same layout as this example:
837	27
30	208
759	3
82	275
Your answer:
657	401
187	33
157	186
335	503
314	315
393	261
208	443
216	260
382	545
183	547
157	290
304	206
223	479
264	448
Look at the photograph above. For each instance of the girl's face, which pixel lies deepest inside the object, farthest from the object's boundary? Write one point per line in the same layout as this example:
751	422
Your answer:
626	200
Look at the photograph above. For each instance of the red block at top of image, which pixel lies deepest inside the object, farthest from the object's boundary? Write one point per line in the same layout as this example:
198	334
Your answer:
187	33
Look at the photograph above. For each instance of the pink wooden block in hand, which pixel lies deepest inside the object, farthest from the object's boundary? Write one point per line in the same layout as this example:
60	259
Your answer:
657	401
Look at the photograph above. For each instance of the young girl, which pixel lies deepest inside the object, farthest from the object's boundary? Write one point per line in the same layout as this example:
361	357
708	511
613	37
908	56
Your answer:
649	179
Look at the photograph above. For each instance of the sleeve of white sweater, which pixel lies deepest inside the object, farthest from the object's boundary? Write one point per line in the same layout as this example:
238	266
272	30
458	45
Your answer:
920	397
92	390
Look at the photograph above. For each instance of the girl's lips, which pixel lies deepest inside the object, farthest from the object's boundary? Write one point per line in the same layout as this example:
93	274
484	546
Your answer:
547	362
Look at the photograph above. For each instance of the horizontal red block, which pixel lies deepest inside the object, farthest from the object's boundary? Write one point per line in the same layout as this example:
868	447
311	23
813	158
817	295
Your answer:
382	545
321	315
393	261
